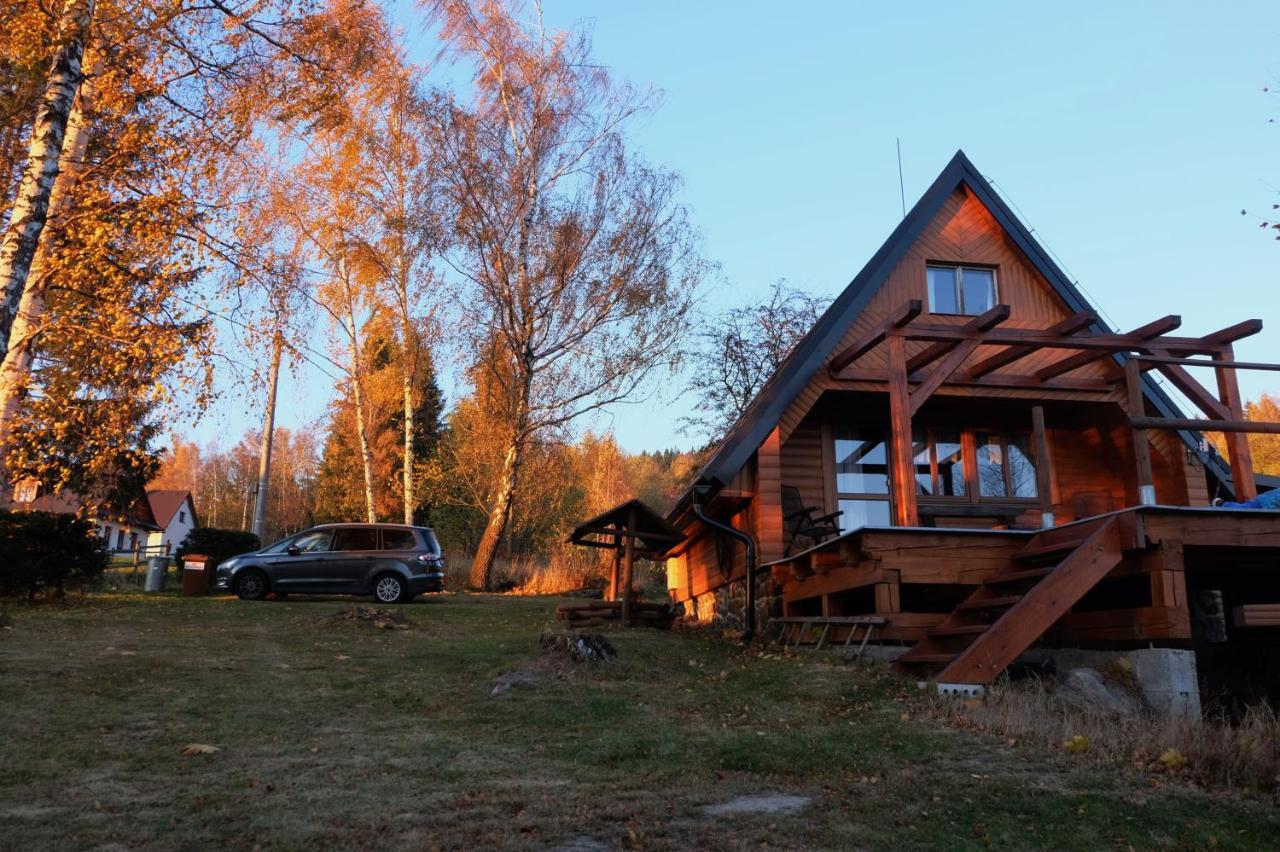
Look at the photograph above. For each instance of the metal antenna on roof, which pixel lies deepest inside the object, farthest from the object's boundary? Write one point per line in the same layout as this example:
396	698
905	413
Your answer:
901	189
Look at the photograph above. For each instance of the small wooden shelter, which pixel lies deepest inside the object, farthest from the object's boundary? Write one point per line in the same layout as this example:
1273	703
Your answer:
629	529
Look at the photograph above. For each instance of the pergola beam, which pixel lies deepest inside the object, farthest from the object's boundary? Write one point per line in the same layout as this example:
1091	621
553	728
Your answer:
934	351
1139	338
1261	427
1005	357
957	356
899	318
1232	333
1021	382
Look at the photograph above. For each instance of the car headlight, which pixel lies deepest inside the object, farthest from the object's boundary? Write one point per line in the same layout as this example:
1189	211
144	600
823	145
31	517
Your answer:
228	564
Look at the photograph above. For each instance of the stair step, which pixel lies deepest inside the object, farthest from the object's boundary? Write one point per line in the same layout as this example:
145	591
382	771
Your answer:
961	630
1044	551
1015	576
927	658
990	603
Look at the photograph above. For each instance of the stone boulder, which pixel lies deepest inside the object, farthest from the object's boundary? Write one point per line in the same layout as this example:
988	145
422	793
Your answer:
1086	689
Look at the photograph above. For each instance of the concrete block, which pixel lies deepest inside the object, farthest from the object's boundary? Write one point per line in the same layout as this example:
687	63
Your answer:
1167	679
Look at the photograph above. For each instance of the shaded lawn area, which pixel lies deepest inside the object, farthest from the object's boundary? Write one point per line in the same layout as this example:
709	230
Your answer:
337	735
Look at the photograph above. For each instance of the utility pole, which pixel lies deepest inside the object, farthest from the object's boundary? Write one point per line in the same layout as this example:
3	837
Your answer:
268	434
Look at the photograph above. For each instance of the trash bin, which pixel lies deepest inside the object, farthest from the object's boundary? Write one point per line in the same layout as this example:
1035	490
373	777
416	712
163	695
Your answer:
195	576
157	570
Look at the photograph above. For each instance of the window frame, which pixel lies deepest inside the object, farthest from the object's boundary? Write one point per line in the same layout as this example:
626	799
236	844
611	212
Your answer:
858	433
957	284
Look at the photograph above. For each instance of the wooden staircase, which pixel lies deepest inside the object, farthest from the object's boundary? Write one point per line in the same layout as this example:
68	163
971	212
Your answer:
1010	611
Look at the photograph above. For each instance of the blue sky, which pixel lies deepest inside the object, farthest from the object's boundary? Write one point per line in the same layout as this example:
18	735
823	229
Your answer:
1130	137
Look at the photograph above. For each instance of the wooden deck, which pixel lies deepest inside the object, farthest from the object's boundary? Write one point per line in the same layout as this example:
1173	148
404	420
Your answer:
975	599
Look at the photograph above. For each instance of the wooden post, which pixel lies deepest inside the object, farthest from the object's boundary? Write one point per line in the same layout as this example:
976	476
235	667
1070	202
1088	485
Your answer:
901	476
1141	447
627	564
617	564
1237	442
1043	484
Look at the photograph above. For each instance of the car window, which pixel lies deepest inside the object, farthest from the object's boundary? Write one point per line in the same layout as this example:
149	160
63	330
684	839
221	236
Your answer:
355	538
398	540
433	544
313	542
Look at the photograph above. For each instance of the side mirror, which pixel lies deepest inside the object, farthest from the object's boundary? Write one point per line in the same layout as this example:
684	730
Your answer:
292	550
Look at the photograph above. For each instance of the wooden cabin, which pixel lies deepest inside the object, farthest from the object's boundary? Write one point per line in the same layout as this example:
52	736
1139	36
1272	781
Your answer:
1006	468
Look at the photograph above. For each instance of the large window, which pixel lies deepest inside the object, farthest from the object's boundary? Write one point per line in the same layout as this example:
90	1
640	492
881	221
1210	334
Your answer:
1005	465
949	465
862	479
939	463
969	290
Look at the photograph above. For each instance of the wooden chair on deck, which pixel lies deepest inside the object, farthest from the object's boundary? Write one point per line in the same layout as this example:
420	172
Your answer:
802	520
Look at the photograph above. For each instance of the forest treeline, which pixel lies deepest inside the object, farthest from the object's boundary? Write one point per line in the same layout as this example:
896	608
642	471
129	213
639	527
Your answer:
200	196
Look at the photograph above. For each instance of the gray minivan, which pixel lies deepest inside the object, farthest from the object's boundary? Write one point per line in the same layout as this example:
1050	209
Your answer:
392	562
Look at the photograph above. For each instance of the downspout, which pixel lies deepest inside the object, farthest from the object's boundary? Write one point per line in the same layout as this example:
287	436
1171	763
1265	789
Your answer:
701	490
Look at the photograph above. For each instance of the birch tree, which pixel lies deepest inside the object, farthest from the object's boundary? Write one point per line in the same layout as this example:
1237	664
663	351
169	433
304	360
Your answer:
30	208
579	261
398	246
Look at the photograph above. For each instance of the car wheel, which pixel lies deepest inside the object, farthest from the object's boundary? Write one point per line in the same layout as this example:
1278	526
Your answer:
251	585
389	588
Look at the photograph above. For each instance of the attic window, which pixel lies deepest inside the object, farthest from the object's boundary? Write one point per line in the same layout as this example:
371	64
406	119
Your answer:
967	290
182	517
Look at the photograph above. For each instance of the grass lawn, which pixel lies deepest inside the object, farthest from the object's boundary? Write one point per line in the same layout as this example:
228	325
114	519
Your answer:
340	735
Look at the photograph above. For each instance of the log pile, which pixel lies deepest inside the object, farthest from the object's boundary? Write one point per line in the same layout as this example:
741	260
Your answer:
602	613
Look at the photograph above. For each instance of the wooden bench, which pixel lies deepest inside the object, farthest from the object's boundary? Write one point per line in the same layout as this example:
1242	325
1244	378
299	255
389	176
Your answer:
795	629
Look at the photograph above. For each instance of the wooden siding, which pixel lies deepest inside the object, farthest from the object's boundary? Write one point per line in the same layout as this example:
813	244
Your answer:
802	463
963	231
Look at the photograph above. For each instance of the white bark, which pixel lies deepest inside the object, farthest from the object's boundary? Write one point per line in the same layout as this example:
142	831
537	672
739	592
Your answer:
31	205
268	436
27	324
410	501
357	382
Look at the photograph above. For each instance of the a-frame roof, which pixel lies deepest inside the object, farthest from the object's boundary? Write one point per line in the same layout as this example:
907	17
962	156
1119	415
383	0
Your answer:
813	350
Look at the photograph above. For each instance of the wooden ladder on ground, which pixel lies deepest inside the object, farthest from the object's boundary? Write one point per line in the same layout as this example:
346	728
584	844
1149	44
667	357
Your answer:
1007	613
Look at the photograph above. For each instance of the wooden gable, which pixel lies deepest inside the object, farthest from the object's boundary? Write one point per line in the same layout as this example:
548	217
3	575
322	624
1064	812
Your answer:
962	231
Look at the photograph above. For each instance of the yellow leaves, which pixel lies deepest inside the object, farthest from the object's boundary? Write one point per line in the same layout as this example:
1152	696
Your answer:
199	750
1079	744
1173	760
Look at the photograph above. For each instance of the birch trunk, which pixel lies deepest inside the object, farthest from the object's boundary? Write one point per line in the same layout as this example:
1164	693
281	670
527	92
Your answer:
357	386
410	370
16	367
481	576
31	205
268	437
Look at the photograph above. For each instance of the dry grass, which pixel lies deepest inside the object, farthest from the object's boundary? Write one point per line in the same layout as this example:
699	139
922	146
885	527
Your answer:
560	572
1214	752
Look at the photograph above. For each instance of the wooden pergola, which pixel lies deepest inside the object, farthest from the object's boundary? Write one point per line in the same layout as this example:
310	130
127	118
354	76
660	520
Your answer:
913	379
629	529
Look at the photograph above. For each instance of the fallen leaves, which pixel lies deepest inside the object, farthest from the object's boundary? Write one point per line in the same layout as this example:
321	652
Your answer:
197	749
1173	759
1078	744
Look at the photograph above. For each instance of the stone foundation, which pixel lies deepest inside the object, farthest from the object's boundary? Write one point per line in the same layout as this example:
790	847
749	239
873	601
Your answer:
723	607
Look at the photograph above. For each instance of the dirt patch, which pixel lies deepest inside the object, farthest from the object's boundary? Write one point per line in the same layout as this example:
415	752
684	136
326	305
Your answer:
380	618
759	803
